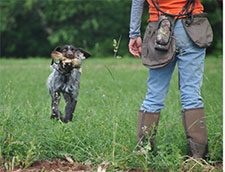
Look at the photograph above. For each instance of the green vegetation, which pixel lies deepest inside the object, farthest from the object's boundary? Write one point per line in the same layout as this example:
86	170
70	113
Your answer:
112	89
104	126
33	27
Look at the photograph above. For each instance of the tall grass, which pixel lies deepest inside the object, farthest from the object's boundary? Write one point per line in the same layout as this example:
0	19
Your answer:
105	121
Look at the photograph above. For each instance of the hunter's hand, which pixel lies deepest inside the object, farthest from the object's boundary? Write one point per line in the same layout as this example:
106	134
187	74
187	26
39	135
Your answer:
135	46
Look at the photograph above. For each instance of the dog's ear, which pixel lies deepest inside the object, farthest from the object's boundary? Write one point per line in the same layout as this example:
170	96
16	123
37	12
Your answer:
85	53
58	48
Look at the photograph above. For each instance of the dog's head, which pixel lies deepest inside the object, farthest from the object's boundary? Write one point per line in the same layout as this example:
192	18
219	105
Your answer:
68	54
71	52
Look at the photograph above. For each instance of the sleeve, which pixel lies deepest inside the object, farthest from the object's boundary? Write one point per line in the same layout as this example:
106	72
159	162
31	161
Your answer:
135	18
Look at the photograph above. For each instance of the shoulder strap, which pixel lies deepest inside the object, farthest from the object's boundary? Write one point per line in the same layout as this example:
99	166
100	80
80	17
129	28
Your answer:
186	11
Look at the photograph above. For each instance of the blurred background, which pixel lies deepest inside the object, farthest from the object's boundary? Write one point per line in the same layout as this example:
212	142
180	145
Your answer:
32	28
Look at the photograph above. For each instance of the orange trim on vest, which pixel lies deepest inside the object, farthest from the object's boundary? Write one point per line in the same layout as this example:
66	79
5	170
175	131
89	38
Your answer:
172	7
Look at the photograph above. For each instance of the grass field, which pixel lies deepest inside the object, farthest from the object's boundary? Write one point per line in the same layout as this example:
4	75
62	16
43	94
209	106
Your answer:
105	122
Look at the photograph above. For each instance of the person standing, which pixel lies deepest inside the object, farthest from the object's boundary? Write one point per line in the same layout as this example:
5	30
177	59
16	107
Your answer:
168	40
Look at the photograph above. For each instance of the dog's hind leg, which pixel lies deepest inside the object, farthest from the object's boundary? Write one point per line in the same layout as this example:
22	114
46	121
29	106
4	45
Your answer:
55	105
70	107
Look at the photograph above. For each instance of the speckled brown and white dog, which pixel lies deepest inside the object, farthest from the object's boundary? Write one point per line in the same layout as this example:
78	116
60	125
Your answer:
65	79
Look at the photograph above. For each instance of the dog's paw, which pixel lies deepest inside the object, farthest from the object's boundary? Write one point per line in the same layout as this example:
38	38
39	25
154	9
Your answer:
57	115
54	117
65	120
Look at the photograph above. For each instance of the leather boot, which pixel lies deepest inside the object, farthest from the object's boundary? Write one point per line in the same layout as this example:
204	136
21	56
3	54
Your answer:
147	127
196	132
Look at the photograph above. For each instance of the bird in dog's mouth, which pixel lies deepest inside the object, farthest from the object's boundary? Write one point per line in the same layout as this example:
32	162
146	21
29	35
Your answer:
58	57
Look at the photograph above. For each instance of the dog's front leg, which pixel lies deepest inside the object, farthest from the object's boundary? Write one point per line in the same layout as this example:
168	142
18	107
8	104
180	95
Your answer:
70	107
55	105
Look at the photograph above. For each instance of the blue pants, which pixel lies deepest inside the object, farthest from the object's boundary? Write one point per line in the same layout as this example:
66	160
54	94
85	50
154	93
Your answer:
190	61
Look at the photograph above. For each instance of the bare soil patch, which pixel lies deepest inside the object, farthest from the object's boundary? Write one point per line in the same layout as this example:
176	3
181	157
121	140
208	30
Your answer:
66	166
54	166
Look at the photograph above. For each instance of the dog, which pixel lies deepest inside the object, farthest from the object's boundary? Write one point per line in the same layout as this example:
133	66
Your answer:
65	79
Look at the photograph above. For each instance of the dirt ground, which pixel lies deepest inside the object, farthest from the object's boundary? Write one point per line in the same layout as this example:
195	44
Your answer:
54	166
66	166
